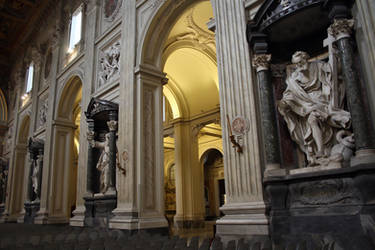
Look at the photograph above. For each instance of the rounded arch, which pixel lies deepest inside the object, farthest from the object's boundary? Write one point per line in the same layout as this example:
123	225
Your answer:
3	107
207	150
157	30
190	44
24	130
210	151
69	98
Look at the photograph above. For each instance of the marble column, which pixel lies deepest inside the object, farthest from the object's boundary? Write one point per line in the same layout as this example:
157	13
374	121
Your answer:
190	208
244	208
39	161
90	157
268	114
341	30
30	192
112	125
55	40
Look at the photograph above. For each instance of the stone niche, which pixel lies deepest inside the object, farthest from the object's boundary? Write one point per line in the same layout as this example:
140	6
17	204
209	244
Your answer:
4	166
32	203
319	146
102	161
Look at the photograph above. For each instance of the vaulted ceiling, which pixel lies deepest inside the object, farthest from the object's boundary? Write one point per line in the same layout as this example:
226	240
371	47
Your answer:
17	17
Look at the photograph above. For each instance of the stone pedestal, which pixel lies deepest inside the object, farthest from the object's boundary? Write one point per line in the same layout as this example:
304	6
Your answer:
31	209
99	210
327	208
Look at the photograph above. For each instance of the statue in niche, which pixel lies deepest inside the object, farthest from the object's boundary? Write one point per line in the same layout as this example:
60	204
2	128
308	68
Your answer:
35	176
103	162
109	64
308	107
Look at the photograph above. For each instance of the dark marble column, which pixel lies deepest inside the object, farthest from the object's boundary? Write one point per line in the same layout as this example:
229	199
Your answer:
90	157
40	164
30	191
112	125
363	132
268	115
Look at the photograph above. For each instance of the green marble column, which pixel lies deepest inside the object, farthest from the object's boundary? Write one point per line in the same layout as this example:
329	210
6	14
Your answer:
90	157
268	114
363	132
112	125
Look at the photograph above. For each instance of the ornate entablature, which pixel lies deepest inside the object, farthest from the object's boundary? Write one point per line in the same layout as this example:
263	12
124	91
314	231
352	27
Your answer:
100	109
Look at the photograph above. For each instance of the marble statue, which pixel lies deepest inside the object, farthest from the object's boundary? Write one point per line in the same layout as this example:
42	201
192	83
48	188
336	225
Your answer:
307	105
103	163
35	176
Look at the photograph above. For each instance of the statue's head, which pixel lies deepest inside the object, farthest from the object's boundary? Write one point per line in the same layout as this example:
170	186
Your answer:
300	58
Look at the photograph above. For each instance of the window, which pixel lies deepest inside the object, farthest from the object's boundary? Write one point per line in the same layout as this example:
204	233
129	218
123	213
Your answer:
29	78
28	82
75	29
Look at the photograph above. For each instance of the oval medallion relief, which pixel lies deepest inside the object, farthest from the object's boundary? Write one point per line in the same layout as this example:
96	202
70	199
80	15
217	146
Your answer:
111	8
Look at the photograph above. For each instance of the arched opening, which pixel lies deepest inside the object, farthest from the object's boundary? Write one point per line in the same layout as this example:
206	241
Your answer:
66	149
212	162
19	178
191	111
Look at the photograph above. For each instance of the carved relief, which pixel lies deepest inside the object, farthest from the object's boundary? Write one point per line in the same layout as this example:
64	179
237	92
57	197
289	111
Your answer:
325	192
109	64
240	125
148	128
43	113
111	9
196	33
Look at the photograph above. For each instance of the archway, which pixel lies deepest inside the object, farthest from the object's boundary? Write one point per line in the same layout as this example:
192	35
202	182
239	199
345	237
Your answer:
66	148
212	162
19	177
190	104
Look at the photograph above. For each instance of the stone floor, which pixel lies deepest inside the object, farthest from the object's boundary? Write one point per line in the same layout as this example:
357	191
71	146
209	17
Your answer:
64	237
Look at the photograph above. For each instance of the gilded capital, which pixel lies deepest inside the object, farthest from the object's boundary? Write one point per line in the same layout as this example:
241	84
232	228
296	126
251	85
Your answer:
261	62
341	28
112	125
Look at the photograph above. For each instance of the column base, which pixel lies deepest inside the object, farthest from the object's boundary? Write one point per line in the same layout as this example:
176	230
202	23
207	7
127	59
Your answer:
41	217
363	156
183	222
127	219
242	220
78	217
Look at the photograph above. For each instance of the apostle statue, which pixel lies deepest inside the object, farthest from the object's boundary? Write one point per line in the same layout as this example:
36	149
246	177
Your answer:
103	163
308	107
35	177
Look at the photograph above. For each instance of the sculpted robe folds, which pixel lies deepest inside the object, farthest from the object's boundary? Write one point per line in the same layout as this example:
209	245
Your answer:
309	110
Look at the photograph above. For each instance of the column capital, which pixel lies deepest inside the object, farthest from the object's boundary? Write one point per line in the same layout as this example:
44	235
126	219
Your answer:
261	61
341	28
112	125
90	135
